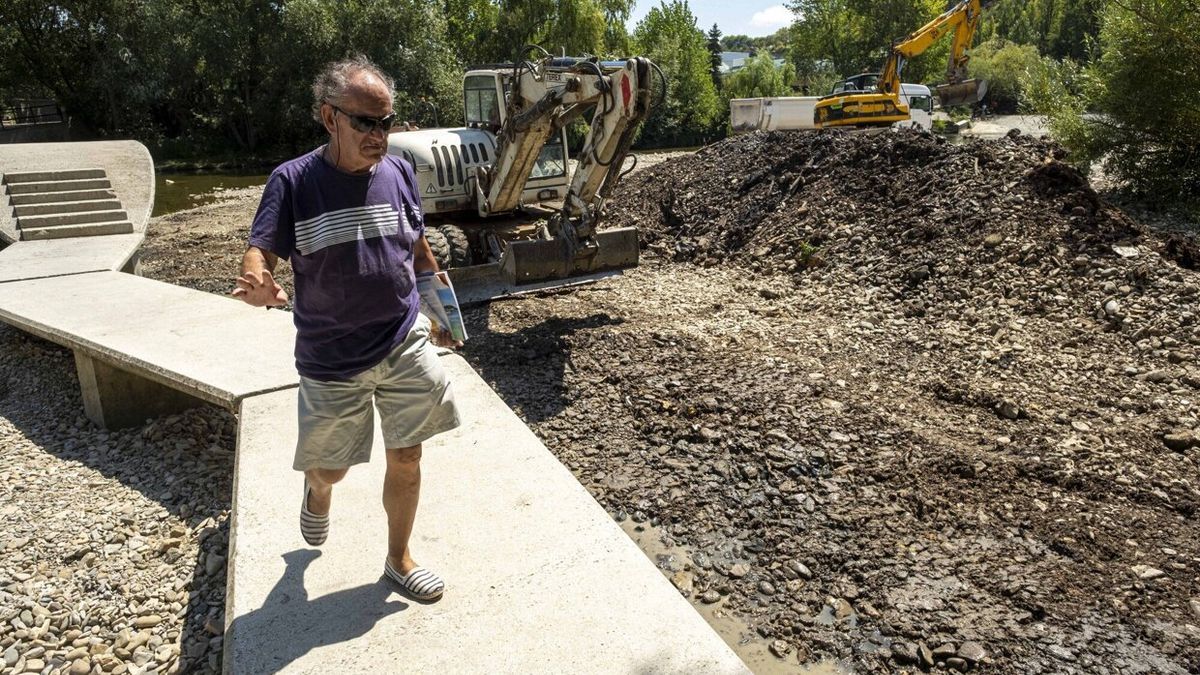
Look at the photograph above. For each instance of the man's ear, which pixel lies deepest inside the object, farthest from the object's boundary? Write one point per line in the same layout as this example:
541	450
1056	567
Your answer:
327	119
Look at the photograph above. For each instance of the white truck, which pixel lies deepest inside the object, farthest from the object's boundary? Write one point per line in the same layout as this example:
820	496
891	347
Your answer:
798	112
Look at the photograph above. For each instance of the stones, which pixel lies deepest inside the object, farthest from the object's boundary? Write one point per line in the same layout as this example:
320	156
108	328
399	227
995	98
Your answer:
148	621
1147	573
1182	440
1194	605
944	651
780	648
766	588
800	569
710	596
87	490
738	570
904	653
972	652
1008	409
925	655
684	581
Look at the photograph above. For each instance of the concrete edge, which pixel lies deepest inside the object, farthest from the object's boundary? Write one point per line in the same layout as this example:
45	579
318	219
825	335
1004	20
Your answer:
141	227
140	368
231	549
122	262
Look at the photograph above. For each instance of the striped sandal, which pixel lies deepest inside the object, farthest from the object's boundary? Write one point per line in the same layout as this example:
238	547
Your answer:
420	583
315	528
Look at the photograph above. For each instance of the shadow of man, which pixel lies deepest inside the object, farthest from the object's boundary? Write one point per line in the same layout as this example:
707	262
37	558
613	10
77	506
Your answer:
300	624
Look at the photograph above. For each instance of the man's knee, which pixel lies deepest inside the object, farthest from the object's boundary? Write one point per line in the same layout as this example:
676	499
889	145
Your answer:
404	456
329	476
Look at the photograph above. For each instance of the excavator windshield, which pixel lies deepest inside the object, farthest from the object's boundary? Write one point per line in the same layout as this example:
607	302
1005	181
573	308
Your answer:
482	101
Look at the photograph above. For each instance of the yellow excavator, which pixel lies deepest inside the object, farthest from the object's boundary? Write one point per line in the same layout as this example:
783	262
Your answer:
883	105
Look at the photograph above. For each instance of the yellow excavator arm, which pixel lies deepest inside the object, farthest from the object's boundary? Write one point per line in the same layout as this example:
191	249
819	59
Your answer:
962	20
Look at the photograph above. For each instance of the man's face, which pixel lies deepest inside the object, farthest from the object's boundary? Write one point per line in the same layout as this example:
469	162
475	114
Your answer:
367	96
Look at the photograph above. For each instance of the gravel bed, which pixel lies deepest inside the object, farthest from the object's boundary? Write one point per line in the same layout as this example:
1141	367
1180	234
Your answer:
112	544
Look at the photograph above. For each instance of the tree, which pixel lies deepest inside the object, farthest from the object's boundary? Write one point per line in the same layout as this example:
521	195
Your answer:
1143	96
1005	66
737	43
1058	28
760	77
472	23
690	114
714	56
855	36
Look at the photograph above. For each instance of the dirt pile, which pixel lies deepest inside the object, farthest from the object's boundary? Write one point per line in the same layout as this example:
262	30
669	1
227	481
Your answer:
968	436
784	201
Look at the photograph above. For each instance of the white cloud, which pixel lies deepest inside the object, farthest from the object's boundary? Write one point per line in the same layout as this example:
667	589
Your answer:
772	18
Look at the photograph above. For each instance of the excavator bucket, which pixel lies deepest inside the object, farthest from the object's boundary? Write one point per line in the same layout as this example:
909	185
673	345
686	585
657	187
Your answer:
543	264
967	92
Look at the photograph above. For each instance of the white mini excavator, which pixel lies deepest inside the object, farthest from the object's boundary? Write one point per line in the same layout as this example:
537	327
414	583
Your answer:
504	211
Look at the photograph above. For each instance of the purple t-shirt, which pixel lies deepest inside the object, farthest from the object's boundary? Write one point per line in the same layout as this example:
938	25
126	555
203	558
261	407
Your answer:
350	241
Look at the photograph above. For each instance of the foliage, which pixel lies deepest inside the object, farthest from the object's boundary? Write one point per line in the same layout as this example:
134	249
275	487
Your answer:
1005	66
574	27
1141	97
777	43
714	55
854	36
1058	28
691	114
760	77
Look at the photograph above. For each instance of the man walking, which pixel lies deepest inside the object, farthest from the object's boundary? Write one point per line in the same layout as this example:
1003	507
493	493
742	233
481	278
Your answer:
348	217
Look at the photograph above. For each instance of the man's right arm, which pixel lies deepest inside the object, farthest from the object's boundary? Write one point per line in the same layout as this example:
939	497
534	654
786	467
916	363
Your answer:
256	260
256	286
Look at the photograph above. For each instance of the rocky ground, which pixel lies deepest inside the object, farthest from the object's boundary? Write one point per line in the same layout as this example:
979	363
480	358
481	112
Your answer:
904	405
106	567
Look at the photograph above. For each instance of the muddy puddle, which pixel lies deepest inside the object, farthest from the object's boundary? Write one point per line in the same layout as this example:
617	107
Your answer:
745	642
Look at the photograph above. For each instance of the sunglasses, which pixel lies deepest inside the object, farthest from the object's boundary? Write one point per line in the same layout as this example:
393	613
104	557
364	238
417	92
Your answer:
364	124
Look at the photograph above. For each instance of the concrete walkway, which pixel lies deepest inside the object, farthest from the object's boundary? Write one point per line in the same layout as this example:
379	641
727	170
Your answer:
540	579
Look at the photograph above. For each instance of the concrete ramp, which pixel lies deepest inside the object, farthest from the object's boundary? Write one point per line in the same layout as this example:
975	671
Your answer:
539	578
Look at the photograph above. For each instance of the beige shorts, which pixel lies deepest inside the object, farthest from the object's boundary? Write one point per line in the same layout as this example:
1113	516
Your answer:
410	389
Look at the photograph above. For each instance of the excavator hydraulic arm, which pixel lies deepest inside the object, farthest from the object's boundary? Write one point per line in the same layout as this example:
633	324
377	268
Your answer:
541	101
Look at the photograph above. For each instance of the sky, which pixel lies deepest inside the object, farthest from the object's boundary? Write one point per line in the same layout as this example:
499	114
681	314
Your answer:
755	18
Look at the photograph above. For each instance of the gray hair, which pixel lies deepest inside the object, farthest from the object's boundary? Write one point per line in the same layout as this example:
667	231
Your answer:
333	80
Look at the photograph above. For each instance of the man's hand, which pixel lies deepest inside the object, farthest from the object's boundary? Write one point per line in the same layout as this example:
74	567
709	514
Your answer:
260	290
441	337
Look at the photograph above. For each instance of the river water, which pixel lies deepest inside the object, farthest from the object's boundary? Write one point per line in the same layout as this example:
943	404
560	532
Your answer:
178	191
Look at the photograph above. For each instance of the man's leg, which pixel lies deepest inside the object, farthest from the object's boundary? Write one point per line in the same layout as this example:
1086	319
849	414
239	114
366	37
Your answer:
401	492
320	486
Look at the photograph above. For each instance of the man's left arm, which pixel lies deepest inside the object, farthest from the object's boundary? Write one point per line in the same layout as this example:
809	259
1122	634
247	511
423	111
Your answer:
423	260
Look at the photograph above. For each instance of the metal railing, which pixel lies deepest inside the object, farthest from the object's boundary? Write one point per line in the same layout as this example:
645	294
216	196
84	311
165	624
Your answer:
30	113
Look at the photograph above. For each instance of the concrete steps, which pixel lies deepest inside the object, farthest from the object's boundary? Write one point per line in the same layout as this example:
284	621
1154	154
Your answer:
83	230
43	176
65	203
66	196
22	210
71	218
58	185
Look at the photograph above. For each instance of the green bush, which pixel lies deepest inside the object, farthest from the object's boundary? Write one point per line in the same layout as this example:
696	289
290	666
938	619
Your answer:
1005	65
1138	103
760	77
